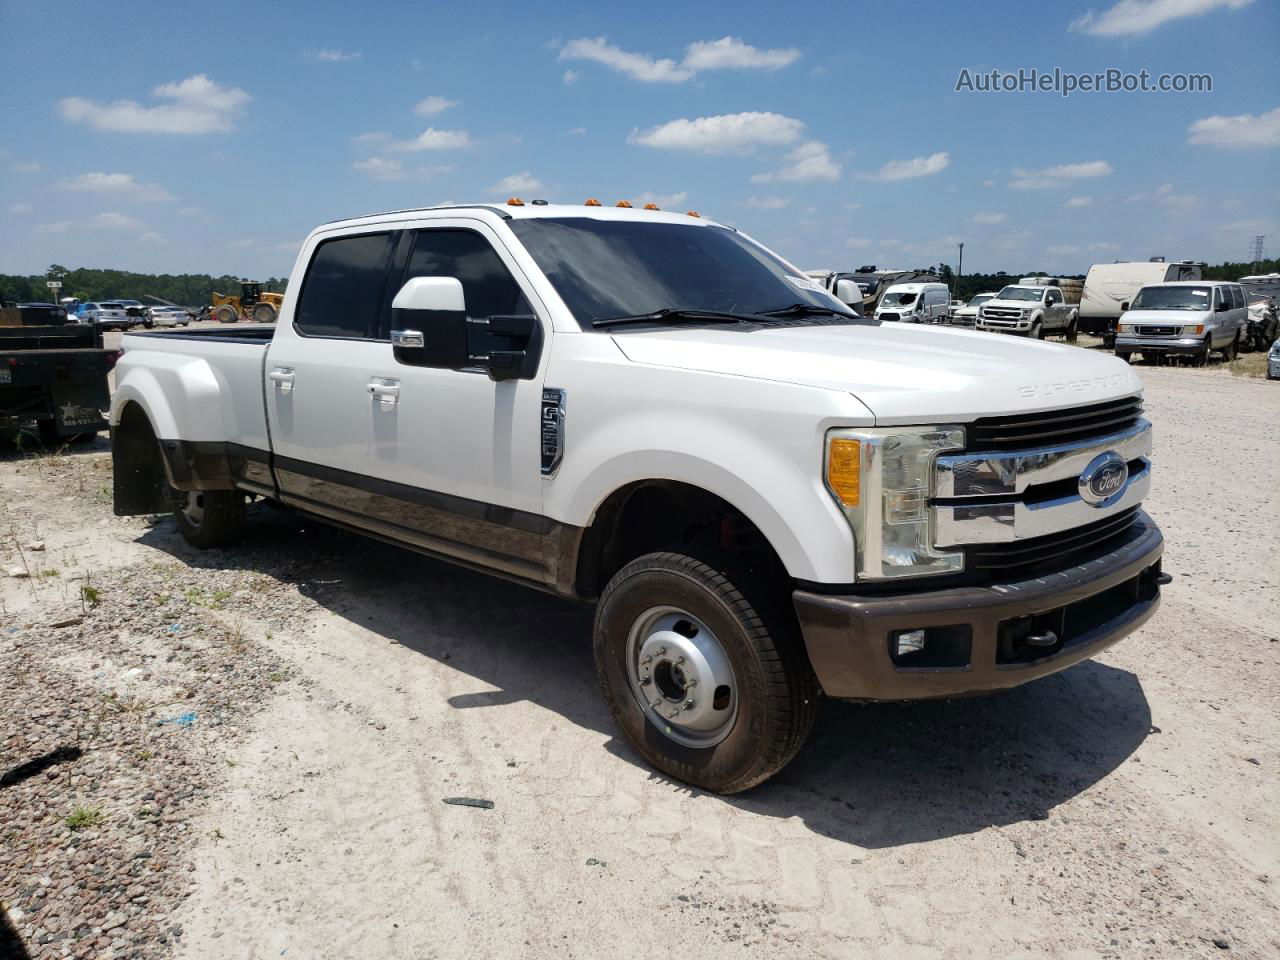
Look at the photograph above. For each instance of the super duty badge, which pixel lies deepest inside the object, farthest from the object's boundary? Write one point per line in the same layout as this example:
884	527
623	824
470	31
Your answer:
552	425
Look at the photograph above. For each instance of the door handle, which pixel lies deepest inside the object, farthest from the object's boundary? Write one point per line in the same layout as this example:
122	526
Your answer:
386	390
282	377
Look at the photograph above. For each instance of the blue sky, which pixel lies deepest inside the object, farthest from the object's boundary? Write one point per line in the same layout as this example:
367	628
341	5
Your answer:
172	137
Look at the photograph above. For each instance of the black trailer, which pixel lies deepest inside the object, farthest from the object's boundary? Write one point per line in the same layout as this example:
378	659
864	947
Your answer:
53	374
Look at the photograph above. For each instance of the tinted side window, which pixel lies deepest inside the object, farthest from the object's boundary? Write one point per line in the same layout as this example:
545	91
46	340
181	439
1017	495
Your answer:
1237	295
487	284
342	291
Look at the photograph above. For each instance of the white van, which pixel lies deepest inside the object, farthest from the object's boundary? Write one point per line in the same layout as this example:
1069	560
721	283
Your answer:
1192	319
915	303
1108	285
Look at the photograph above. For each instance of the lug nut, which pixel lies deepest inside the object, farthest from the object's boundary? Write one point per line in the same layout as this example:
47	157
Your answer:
679	661
647	660
645	681
673	714
688	704
662	651
691	683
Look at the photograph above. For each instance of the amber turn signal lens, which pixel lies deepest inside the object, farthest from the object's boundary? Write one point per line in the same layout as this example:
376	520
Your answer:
844	470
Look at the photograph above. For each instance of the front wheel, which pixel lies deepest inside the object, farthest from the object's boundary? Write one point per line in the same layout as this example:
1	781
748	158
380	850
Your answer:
704	672
209	518
226	314
1206	350
1037	331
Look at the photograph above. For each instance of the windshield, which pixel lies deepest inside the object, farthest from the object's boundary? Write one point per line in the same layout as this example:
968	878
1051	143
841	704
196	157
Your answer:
898	299
604	269
1171	298
980	299
1020	293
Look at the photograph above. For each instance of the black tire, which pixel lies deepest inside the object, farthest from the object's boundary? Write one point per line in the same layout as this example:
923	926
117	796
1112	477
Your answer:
775	695
1206	351
264	313
1126	355
50	439
1037	331
1073	332
209	518
225	313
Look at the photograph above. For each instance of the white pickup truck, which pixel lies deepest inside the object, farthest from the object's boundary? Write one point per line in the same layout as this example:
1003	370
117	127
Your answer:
1034	310
766	497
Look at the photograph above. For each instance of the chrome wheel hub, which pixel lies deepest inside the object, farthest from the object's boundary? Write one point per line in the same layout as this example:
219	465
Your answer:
681	677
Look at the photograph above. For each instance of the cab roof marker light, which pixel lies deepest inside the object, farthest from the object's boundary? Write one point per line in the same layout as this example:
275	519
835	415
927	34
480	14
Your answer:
515	202
651	206
693	213
592	202
625	204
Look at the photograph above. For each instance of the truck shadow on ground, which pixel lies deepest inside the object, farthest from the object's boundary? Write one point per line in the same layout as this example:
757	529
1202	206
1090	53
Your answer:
874	775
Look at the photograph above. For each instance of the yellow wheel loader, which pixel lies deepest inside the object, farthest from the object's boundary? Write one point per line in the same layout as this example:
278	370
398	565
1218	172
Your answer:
251	304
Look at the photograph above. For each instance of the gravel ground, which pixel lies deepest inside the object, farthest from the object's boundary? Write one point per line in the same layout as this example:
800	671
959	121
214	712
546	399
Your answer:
339	690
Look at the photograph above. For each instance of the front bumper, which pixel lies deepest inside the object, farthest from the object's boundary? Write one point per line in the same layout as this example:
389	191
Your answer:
1086	607
1131	343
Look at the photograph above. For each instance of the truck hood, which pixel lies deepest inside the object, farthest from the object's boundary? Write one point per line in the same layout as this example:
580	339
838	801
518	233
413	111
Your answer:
903	374
1015	304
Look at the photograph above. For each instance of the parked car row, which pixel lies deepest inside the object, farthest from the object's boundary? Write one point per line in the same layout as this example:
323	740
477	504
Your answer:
124	314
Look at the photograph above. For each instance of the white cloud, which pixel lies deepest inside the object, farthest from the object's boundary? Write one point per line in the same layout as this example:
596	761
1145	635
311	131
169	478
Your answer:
121	184
190	211
852	206
1061	249
570	77
390	168
730	53
809	161
289	246
634	65
1015	240
151	237
1246	226
58	226
115	221
1058	176
765	203
990	217
857	243
1076	202
664	200
197	105
1130	18
915	167
1166	197
25	166
988	183
725	133
372	136
576	131
522	182
727	53
433	139
433	105
1241	132
21	209
337	56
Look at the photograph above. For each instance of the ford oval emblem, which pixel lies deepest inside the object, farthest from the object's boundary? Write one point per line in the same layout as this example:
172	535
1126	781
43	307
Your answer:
1104	479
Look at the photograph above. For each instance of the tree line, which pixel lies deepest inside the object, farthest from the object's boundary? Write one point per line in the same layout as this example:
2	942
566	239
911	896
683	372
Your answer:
185	289
193	289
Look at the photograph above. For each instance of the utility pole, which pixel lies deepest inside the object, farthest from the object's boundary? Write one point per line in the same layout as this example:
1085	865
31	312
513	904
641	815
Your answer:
1255	249
959	269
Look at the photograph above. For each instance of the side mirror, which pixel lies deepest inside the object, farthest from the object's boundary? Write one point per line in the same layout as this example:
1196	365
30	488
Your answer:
848	292
430	321
1124	306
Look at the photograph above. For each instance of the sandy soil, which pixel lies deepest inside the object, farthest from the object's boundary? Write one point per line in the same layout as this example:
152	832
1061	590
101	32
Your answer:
1125	808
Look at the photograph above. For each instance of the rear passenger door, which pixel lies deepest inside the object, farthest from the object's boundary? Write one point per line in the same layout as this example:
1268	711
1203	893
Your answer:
1054	314
318	370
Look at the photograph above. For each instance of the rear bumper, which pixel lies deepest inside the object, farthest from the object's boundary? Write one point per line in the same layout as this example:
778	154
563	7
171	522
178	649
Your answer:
978	632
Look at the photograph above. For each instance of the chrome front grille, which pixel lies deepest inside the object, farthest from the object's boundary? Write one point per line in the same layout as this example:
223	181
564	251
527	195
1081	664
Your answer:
1016	500
1001	313
1151	331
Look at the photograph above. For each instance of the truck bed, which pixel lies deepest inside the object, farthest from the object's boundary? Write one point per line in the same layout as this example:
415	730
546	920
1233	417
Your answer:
211	378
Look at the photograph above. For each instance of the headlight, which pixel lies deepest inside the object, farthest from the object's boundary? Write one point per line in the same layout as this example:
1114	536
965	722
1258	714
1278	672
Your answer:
881	480
1125	328
1194	330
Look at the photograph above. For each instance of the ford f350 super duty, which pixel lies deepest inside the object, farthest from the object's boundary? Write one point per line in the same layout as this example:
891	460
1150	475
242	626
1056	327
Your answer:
766	496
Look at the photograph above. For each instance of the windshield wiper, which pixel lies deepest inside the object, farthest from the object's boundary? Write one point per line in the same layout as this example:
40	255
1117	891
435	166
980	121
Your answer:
805	310
677	315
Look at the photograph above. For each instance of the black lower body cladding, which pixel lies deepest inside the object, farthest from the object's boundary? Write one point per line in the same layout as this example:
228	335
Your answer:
981	639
